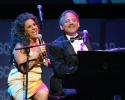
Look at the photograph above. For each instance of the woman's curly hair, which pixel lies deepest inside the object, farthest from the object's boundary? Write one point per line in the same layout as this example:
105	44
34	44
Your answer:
17	31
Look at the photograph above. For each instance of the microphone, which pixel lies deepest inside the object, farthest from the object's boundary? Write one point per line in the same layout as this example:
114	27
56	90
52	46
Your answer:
39	36
85	32
39	7
40	41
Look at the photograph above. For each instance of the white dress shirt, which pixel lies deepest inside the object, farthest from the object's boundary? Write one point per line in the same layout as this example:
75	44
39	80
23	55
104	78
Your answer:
78	45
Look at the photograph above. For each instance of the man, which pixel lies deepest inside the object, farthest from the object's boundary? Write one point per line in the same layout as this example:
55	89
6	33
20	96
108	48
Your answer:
63	54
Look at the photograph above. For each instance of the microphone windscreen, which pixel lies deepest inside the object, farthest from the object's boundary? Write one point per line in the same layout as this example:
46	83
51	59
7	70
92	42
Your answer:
39	6
85	31
39	36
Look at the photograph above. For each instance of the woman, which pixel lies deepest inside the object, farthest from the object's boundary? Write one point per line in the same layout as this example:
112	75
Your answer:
24	33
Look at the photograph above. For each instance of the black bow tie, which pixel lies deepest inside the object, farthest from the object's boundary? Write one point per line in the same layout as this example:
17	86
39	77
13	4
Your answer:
74	38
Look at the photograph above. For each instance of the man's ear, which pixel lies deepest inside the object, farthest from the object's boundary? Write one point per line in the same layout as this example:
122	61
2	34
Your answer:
61	27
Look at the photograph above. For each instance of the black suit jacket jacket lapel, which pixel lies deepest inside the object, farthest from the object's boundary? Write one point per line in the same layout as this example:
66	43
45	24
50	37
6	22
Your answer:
69	48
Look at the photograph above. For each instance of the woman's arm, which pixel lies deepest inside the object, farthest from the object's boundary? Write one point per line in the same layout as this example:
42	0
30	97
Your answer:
21	58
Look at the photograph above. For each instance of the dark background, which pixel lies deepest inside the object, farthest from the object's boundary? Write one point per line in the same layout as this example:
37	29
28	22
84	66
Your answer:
104	22
53	8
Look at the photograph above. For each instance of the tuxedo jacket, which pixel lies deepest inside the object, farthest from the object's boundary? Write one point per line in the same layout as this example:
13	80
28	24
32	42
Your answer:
64	60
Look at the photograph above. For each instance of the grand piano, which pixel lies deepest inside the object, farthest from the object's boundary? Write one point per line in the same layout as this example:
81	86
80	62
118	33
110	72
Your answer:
100	73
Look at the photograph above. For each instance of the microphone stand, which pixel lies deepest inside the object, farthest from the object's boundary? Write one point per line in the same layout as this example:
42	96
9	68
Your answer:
27	47
27	67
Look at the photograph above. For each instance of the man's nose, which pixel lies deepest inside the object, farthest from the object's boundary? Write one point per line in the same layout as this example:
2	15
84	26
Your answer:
70	21
33	26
